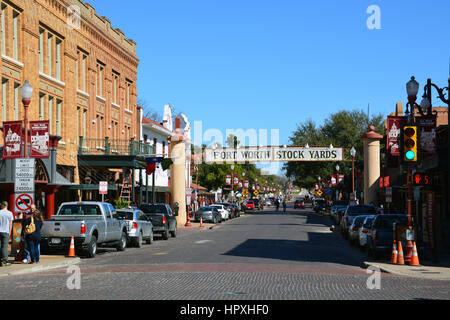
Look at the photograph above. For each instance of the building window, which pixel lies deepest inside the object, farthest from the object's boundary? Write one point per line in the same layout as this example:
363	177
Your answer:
58	118
16	101
4	94
81	75
58	60
49	54
41	50
128	98
3	24
115	92
41	106
15	35
51	62
50	114
78	122
100	69
84	123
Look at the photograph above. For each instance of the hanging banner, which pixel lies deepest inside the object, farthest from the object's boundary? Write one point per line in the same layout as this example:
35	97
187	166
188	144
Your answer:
236	179
12	131
333	180
430	198
394	124
427	141
341	178
40	139
246	184
228	180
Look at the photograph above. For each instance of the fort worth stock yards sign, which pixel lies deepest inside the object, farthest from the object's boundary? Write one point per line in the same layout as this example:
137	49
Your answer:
269	154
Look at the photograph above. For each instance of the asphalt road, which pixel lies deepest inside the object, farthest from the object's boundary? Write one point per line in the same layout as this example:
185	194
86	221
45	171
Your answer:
261	256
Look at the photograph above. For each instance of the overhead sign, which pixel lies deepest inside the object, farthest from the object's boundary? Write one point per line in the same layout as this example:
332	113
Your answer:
24	176
23	202
270	154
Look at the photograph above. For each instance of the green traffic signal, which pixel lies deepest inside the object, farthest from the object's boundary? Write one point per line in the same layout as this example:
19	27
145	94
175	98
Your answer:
410	155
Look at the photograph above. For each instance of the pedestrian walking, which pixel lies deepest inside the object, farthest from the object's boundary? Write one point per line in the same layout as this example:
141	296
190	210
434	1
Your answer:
284	205
24	216
32	229
6	221
277	204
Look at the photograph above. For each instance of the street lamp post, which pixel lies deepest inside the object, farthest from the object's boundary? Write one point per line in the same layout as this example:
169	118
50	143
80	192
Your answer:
26	91
353	154
337	180
232	183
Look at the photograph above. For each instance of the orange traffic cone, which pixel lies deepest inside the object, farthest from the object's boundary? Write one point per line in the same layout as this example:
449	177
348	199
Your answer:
415	256
201	223
394	256
72	248
400	259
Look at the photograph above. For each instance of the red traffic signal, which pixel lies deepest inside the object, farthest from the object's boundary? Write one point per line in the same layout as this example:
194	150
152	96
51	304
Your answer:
421	179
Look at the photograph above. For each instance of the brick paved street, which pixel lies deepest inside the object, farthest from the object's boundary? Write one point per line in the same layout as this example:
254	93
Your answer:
260	256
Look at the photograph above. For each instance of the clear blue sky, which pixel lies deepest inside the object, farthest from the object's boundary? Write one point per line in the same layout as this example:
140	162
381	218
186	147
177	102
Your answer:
272	64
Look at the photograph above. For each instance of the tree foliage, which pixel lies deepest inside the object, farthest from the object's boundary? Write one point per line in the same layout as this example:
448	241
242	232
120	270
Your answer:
342	129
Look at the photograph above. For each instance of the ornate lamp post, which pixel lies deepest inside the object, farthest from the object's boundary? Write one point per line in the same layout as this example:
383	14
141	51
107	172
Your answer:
353	154
232	183
26	91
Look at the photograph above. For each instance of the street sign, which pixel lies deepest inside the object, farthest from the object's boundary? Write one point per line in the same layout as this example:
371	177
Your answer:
23	202
103	187
320	193
388	194
24	176
255	193
245	192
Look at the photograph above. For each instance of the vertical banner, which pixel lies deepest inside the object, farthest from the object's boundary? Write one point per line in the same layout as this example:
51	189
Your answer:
228	180
394	124
427	134
12	131
40	139
246	184
430	220
236	179
333	180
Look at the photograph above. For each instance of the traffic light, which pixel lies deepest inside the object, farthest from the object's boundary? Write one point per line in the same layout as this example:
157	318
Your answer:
409	144
421	179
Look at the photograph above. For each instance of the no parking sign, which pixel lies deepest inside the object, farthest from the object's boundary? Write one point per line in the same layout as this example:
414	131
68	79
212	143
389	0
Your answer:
23	202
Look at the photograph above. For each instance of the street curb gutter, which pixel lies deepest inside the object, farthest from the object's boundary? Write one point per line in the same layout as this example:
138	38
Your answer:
433	274
44	267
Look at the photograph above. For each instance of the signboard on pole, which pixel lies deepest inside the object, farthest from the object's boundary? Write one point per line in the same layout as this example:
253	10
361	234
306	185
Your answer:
394	124
427	141
24	176
40	139
228	180
388	194
23	202
103	187
12	131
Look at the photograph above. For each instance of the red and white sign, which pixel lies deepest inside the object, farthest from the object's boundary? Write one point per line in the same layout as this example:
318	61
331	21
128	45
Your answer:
12	131
103	187
240	184
333	180
394	124
236	180
40	139
246	184
427	141
258	187
228	180
23	202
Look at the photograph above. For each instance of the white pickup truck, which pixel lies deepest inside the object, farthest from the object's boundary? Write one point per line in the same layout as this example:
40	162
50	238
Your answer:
90	223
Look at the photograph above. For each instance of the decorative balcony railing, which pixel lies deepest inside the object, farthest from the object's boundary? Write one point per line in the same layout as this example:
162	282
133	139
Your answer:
113	147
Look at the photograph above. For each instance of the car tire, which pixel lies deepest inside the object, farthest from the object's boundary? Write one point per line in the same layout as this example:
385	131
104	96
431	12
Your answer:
215	220
165	235
91	250
174	232
123	242
138	241
150	239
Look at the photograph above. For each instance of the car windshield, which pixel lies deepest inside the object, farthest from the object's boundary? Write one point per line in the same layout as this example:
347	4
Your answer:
359	210
368	223
124	215
387	222
205	209
153	208
80	210
359	221
250	202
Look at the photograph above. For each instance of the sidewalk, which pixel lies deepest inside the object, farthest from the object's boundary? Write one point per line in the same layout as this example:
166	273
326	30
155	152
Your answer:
427	270
46	263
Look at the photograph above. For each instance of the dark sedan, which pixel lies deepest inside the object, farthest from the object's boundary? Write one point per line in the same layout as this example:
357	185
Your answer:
208	214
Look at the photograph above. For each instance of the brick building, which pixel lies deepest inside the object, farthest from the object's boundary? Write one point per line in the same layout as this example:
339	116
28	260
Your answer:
83	72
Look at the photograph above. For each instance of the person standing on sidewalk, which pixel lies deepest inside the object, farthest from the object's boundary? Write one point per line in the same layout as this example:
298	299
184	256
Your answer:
24	216
6	220
284	205
33	240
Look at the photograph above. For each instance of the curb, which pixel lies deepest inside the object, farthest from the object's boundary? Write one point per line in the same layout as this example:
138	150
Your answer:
386	269
44	267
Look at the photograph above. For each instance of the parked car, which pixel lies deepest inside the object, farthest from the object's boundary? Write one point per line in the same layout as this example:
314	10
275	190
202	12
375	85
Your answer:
363	230
320	205
230	208
336	205
162	217
299	204
249	205
258	204
339	214
236	209
91	223
208	214
381	235
351	213
224	212
139	226
353	230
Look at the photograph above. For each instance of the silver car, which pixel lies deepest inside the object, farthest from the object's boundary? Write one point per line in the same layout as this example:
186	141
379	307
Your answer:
353	230
139	226
364	230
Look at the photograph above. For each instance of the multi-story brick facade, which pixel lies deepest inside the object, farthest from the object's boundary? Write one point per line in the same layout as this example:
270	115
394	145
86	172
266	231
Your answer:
83	72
